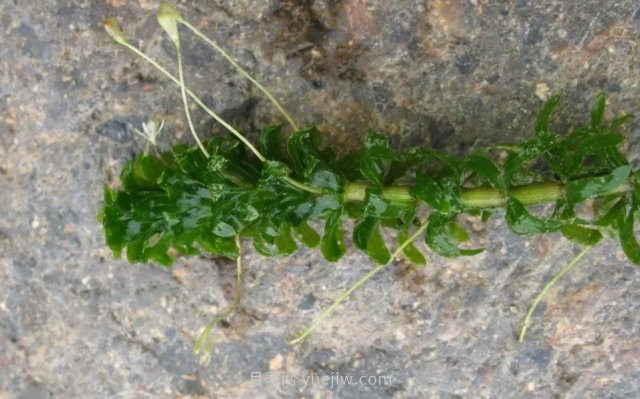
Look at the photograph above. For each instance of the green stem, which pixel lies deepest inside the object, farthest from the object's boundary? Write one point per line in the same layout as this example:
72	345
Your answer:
204	344
185	103
242	71
240	136
196	99
303	186
480	197
327	312
546	288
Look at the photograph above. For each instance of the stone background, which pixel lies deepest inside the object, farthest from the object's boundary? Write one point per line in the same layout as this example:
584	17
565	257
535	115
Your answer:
75	322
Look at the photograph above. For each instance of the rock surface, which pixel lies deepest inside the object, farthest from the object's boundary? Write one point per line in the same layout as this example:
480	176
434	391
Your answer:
75	322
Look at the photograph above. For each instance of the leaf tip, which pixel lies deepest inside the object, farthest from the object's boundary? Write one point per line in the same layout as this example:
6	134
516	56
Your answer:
168	18
112	27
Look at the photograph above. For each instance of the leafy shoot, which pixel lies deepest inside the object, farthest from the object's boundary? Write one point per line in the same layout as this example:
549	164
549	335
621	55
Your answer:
204	198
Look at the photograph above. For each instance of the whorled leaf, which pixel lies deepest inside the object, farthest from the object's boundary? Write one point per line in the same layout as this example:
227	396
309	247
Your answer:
440	239
373	157
182	202
581	235
628	239
367	237
589	187
486	170
410	251
521	222
332	242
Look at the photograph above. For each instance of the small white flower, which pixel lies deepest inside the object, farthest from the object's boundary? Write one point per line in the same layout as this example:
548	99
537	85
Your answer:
150	130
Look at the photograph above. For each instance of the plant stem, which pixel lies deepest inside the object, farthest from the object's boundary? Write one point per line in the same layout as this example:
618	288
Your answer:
546	288
240	136
241	71
345	294
195	98
303	186
480	197
204	344
185	103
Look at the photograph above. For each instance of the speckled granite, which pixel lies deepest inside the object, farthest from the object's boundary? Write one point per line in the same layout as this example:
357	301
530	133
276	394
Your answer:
74	322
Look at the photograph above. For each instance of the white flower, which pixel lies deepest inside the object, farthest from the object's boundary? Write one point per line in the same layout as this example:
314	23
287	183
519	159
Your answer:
150	130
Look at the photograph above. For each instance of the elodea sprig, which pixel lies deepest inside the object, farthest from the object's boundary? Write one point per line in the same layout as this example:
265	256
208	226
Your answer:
182	198
184	201
204	198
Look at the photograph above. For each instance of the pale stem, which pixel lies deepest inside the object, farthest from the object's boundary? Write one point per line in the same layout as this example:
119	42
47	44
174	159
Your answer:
196	99
185	103
558	276
242	71
204	344
327	312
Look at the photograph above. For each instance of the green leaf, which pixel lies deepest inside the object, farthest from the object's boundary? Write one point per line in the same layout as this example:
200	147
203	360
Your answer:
376	205
284	242
262	244
372	169
326	205
410	251
614	216
142	173
304	149
440	194
485	215
456	232
274	170
232	170
567	157
564	210
542	122
582	189
218	245
272	143
174	201
484	168
440	242
597	110
581	235
373	139
223	229
307	235
531	149
619	121
332	243
362	231
520	221
367	237
628	239
376	247
371	160
402	165
325	178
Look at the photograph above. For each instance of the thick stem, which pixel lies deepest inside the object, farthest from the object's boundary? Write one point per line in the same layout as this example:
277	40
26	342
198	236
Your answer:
480	197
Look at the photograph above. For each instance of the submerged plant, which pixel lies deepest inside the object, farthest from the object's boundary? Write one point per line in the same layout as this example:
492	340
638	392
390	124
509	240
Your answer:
206	198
